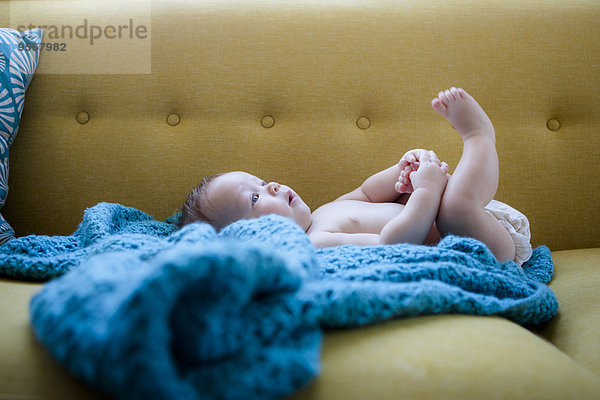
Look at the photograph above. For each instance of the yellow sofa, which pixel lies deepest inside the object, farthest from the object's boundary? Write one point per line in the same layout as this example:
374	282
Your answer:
320	95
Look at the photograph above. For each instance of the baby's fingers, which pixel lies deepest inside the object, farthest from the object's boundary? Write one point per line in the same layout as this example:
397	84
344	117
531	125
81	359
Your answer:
434	158
445	168
424	156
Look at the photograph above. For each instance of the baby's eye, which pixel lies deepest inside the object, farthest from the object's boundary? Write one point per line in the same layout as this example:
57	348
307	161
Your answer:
254	198
264	183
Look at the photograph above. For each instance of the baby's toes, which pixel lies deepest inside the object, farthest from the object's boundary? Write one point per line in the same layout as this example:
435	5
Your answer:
402	185
405	175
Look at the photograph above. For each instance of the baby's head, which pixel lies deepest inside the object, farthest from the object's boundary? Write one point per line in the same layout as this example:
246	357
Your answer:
225	198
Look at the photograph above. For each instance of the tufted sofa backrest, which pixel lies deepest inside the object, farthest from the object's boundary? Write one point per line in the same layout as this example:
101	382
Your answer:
317	96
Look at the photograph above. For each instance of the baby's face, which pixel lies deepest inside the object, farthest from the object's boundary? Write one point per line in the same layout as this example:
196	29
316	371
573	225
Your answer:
239	195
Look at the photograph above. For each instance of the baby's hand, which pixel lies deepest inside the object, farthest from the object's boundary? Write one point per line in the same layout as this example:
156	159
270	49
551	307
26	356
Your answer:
429	175
409	163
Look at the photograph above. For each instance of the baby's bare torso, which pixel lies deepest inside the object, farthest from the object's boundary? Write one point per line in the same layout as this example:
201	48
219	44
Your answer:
356	216
353	216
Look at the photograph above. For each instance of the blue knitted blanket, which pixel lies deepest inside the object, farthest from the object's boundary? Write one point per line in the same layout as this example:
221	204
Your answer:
142	310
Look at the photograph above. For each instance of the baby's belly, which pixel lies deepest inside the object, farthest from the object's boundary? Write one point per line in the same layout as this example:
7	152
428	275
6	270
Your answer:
353	216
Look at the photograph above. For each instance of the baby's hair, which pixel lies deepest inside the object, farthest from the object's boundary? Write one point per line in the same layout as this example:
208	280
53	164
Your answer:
196	205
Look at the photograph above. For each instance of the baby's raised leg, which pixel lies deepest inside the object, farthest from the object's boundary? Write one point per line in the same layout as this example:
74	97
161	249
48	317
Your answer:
474	182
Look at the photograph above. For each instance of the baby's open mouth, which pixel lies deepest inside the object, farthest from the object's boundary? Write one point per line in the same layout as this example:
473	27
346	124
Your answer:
290	197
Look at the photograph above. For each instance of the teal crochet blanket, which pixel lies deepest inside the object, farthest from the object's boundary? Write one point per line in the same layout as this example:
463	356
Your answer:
142	309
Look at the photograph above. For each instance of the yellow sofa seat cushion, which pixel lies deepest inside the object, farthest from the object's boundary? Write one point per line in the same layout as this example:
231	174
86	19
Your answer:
450	357
27	371
576	328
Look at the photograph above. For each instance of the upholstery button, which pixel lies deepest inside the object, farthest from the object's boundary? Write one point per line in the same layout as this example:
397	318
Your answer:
553	124
267	121
82	117
173	119
363	122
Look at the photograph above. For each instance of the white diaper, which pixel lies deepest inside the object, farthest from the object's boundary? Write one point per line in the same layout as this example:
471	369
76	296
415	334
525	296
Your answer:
517	225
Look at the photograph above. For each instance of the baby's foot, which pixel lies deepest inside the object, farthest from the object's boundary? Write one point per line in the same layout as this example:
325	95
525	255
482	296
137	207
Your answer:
464	113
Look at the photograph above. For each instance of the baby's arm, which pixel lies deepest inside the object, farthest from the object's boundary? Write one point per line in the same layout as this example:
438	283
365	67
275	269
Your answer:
378	188
382	187
416	219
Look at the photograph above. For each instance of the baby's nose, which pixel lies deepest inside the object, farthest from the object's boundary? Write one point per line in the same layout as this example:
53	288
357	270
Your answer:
274	187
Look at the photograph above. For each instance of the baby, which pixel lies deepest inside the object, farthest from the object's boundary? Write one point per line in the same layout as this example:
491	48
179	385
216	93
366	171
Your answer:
414	201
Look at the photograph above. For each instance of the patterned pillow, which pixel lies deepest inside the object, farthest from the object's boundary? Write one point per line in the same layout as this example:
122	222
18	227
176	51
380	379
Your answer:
19	53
